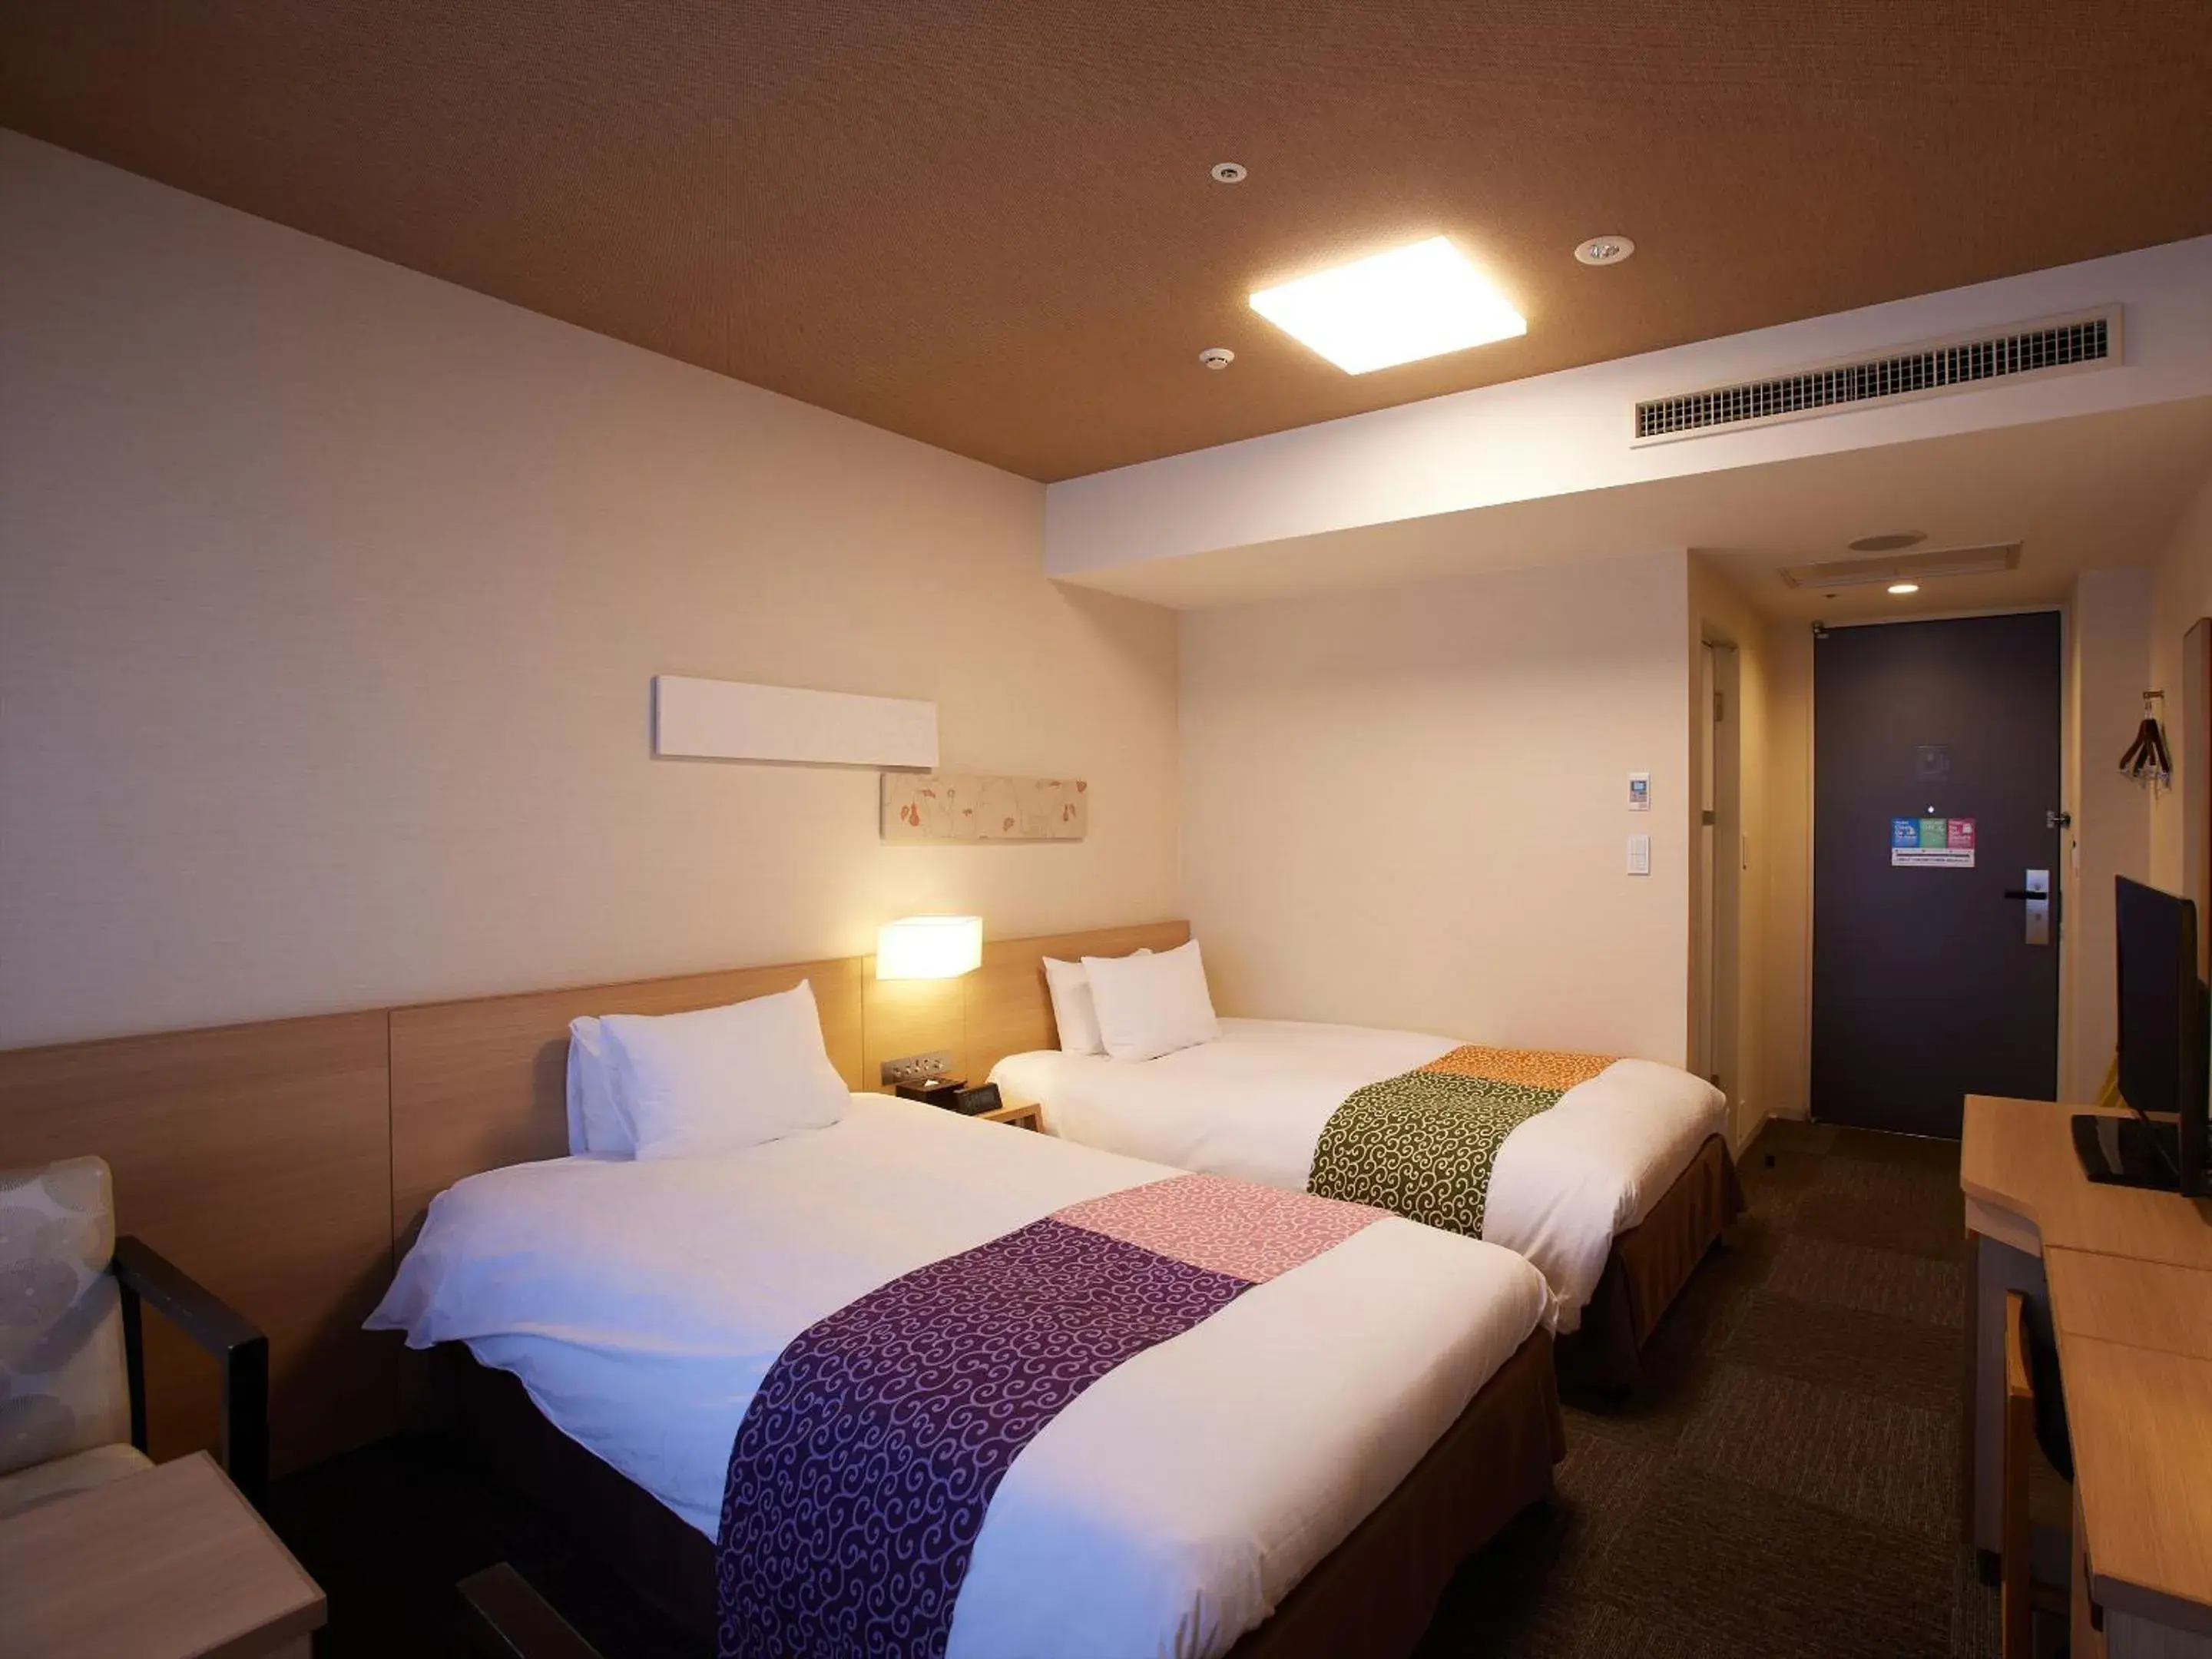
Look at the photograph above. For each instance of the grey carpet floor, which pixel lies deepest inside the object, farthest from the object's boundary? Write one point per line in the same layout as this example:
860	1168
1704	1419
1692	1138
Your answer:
1785	1484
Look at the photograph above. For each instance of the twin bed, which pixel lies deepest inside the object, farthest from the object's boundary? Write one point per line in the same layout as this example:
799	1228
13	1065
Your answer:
1614	1193
1172	1508
1315	1410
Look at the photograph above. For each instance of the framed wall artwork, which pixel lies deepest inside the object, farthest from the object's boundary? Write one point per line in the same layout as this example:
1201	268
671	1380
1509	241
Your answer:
963	806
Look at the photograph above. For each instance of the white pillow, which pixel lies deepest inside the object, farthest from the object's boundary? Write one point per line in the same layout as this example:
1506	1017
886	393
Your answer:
724	1079
1150	1006
596	1122
1073	1014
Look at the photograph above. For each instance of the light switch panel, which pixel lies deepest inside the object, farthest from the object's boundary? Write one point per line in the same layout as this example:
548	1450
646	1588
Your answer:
1639	855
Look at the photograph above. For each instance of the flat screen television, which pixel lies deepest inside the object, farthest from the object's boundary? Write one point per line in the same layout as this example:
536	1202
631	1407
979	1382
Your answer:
2163	1060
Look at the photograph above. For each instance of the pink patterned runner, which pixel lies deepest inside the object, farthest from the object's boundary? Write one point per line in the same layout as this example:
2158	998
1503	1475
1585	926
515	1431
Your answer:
1250	1232
864	1468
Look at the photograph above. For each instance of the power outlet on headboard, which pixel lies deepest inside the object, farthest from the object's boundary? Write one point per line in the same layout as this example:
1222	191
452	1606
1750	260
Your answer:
912	1068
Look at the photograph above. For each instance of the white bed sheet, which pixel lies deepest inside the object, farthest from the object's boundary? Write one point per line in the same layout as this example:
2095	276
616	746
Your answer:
1253	1103
1165	1511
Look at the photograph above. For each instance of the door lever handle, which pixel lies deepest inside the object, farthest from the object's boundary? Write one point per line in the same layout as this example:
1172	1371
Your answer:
2036	912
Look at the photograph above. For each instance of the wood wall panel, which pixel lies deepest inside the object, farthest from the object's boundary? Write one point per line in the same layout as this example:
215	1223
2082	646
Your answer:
479	1084
281	1163
1008	1009
257	1158
911	1016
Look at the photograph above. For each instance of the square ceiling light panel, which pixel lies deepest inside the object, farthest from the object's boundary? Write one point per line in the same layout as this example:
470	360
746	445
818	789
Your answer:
1390	308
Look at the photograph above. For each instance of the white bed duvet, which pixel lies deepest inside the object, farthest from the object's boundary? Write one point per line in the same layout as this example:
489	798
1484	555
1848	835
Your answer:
1165	1512
1253	1102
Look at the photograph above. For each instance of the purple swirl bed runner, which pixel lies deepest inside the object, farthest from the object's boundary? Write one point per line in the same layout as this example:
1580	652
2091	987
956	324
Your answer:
861	1475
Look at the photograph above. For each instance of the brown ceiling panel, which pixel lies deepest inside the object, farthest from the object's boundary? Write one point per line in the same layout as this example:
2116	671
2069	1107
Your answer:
991	226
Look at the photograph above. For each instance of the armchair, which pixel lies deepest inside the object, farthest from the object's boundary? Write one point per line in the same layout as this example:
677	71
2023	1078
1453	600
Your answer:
72	1352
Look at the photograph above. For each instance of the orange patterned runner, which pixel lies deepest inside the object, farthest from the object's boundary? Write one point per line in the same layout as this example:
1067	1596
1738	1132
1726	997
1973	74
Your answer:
1533	1069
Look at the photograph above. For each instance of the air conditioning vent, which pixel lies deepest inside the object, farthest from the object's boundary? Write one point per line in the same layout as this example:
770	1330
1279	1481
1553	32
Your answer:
1913	567
2058	345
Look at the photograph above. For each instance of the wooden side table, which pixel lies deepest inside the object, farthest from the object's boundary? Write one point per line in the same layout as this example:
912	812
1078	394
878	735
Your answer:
172	1564
1031	1116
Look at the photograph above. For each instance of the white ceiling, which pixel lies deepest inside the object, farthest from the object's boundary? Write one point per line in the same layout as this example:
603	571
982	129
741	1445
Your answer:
2079	493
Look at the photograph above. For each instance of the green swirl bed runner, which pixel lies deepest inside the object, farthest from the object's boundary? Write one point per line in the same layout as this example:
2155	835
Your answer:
1422	1143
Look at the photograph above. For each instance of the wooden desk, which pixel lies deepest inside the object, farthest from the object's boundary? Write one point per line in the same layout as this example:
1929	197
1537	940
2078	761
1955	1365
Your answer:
2123	1277
2144	1304
2018	1170
172	1564
2141	1420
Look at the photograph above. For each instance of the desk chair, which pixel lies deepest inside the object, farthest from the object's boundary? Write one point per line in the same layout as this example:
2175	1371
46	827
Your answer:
72	1359
2022	1592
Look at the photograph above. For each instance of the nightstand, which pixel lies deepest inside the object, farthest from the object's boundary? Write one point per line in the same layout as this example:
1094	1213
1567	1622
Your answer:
953	1095
171	1564
1022	1117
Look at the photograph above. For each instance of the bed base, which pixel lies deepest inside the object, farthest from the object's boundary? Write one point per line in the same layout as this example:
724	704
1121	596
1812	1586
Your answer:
1374	1594
1647	1269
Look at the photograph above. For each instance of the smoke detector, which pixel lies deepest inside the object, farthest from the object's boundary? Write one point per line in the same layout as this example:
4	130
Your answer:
1217	357
1605	250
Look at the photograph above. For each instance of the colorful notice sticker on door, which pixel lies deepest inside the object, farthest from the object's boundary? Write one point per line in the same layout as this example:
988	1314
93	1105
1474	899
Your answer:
1931	843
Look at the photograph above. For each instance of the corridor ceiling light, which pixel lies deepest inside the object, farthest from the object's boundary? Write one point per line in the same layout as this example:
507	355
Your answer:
1904	587
1391	308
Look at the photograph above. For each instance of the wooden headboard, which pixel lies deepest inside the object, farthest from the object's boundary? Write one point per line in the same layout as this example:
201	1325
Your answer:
285	1163
1008	1010
478	1085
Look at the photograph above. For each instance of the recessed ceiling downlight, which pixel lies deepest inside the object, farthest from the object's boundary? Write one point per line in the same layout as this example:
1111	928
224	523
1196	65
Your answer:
1889	542
1605	250
1397	307
1902	588
1230	172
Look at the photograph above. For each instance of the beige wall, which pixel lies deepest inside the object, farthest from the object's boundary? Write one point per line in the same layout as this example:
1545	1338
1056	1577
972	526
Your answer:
2182	593
1752	940
1786	996
1406	806
2109	635
329	598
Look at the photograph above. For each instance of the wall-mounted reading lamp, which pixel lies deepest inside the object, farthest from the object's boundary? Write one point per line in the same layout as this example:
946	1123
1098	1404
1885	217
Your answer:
932	947
929	947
